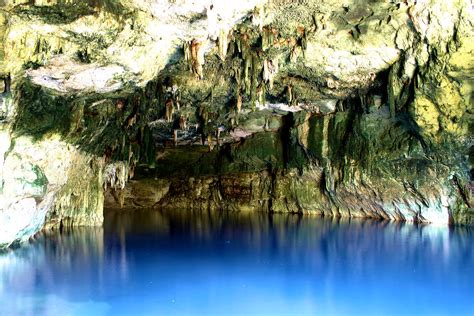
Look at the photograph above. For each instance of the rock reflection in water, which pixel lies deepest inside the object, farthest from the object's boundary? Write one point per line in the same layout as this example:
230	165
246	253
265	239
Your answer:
144	262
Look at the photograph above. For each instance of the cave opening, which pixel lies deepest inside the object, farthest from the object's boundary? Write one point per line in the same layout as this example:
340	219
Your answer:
246	157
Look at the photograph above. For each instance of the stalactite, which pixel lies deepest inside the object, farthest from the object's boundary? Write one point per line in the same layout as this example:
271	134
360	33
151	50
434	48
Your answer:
219	130
130	152
289	94
178	103
7	84
223	44
261	94
244	45
247	73
266	71
116	175
169	110
273	37
175	137
239	45
256	71
303	40
197	58
237	72
295	49
182	122
187	54
239	103
270	70
265	39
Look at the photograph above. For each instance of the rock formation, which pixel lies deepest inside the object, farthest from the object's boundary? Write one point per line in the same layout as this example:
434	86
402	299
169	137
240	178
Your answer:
339	108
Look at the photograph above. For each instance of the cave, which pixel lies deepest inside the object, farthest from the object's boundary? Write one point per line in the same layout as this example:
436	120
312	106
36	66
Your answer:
316	138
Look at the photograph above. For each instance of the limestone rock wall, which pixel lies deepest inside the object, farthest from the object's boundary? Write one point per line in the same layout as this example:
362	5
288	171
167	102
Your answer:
344	164
46	181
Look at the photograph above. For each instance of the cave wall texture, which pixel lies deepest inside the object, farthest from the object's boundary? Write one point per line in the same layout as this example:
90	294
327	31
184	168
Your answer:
339	108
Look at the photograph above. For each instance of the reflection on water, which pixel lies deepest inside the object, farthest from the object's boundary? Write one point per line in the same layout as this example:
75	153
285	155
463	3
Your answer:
161	263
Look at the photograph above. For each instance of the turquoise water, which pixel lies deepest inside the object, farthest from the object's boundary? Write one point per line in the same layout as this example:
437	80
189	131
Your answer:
195	263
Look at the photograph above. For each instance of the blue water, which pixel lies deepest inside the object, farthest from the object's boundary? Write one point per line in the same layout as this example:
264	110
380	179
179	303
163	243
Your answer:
197	263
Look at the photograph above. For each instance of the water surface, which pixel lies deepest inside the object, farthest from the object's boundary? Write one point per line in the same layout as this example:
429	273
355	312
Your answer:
199	263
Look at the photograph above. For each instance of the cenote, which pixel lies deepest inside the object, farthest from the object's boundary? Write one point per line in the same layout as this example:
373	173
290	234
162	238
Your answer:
245	157
183	262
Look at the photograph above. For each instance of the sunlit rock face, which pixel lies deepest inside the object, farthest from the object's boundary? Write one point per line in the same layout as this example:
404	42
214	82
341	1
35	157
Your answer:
46	182
341	108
